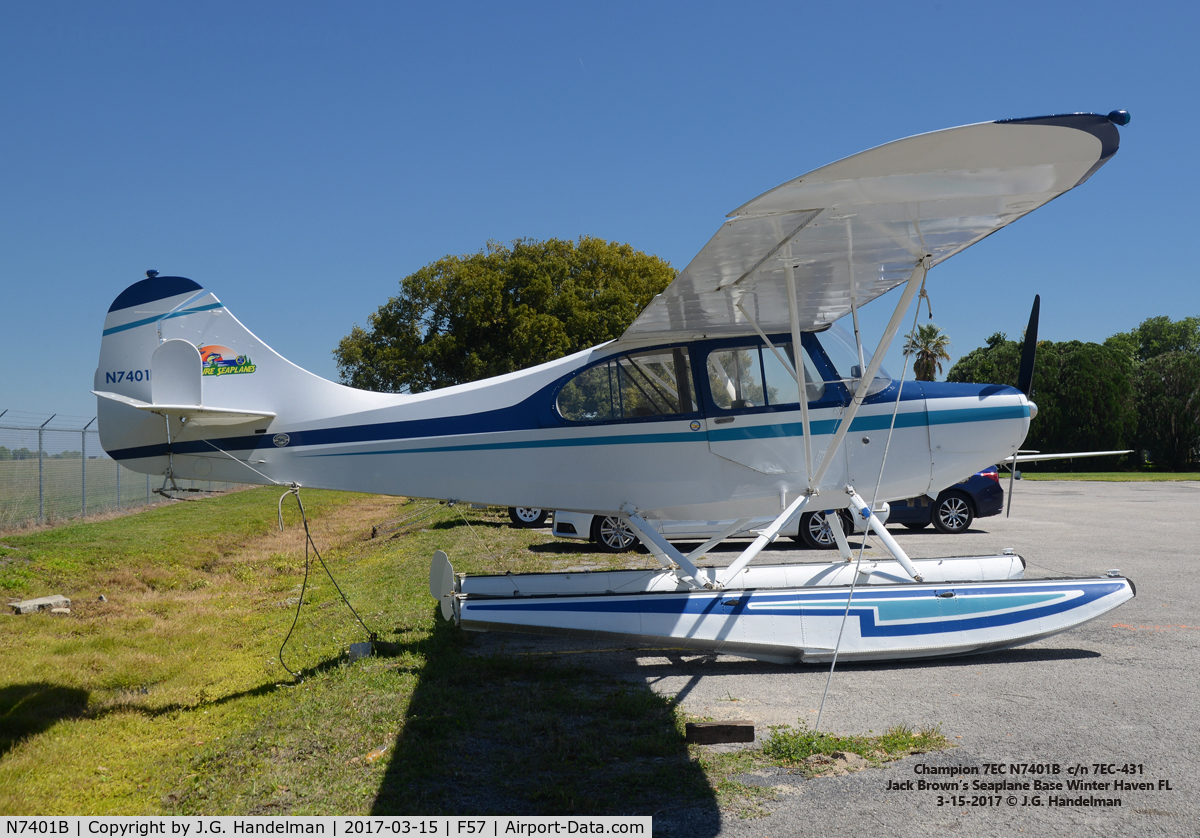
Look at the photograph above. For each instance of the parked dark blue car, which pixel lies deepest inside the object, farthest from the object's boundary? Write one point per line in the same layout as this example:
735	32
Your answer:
979	496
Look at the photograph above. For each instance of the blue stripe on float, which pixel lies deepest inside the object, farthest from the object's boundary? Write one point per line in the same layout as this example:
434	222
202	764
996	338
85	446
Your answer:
827	604
158	317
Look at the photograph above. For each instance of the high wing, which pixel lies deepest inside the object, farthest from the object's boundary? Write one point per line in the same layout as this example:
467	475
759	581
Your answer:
857	228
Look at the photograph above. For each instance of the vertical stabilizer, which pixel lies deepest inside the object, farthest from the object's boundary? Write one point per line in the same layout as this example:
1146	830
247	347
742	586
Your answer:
184	385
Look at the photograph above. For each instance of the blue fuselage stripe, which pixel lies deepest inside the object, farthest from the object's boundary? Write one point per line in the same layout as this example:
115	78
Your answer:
516	418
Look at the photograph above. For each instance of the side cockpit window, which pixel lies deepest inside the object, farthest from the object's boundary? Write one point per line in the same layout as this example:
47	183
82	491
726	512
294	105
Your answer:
753	376
635	385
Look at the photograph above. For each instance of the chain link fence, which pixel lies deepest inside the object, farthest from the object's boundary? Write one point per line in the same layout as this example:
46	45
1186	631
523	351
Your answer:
52	469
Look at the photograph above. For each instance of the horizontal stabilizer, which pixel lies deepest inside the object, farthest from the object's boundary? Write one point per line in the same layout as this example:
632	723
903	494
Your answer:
194	413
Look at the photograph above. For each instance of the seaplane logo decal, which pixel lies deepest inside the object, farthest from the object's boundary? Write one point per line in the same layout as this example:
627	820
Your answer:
221	360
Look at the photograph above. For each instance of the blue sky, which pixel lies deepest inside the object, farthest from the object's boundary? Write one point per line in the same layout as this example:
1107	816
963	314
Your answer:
299	159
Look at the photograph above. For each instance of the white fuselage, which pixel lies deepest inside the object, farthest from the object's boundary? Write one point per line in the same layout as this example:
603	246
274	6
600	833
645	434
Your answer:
505	440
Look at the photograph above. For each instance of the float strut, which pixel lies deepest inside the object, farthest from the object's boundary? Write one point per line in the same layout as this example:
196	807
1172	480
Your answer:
764	538
860	507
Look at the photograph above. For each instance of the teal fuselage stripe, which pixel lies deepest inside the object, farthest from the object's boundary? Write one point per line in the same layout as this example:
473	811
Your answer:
156	318
783	430
571	442
977	414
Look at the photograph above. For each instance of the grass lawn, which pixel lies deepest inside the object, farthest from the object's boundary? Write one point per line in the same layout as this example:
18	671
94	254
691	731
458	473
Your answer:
169	697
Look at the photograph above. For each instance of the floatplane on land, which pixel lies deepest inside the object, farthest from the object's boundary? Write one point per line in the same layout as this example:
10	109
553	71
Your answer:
732	395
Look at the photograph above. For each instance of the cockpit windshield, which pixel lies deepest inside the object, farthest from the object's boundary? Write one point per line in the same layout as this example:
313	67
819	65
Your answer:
839	345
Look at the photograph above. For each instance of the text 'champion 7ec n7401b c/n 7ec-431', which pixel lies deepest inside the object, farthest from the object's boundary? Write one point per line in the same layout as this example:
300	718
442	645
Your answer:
732	396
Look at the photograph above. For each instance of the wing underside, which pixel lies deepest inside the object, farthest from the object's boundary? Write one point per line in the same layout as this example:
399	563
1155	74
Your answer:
858	227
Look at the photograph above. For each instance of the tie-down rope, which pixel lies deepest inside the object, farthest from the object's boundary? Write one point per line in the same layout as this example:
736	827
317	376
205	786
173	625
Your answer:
871	503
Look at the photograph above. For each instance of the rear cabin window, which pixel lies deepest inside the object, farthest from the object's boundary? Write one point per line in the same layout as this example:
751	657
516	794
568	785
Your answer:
636	385
753	376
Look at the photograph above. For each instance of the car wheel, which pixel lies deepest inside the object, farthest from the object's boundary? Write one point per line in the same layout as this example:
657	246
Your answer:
916	525
952	513
612	535
815	531
526	516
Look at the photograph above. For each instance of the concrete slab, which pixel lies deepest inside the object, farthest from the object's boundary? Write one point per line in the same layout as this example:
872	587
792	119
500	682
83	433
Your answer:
45	603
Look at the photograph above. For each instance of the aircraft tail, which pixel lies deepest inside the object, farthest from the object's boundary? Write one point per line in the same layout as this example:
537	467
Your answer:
185	389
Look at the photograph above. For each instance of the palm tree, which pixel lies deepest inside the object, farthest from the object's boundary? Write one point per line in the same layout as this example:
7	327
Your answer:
929	345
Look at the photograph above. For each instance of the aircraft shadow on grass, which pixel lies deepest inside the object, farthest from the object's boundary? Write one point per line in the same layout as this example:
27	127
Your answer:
519	734
29	709
508	732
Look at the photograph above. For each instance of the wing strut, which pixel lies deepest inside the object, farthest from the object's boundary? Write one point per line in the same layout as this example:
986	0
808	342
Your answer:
765	537
801	375
736	527
853	293
652	538
915	282
687	570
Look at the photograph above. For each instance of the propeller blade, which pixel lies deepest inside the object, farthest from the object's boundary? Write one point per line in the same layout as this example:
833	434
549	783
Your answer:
1025	382
1029	350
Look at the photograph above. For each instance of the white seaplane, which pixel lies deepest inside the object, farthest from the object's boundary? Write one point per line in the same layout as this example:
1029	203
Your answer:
733	396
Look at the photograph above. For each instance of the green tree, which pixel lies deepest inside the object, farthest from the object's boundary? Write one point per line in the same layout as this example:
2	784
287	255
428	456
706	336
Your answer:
1160	349
1096	407
929	345
1168	401
998	361
502	309
1084	393
1158	335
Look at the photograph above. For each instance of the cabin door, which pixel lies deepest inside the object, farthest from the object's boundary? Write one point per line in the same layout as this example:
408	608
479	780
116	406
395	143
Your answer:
757	418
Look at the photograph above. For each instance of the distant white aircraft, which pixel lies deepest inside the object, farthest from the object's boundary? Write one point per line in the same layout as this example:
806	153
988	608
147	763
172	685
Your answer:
732	394
1037	456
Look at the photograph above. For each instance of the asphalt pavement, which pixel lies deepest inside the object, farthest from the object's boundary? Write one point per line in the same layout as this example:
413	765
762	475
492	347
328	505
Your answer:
1113	701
